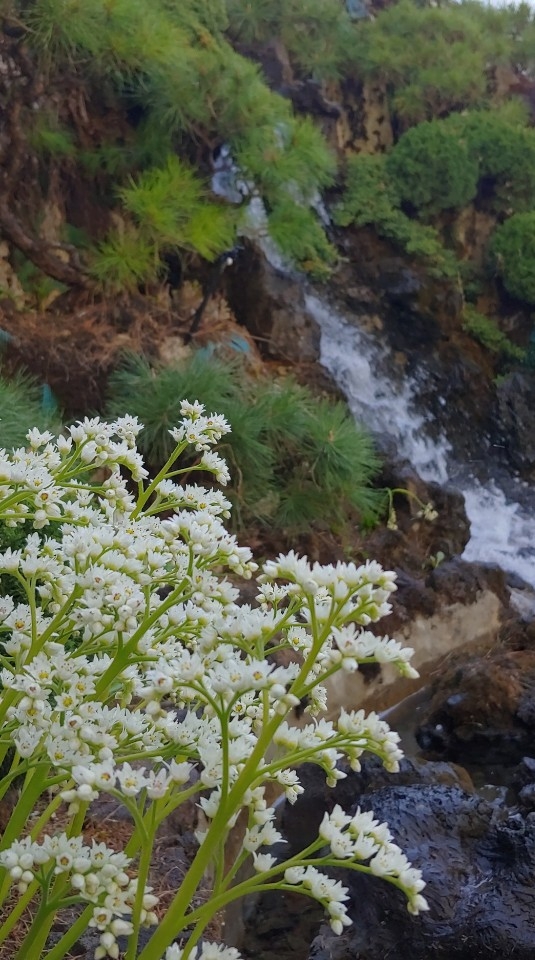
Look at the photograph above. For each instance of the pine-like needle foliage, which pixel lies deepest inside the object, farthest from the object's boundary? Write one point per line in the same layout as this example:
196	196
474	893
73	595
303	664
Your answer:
435	59
173	66
23	406
295	461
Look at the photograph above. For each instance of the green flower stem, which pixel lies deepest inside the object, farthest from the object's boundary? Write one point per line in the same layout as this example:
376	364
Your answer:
319	639
142	879
254	884
178	909
32	790
33	943
19	908
121	660
7	701
15	771
176	916
146	494
176	802
57	622
37	936
47	813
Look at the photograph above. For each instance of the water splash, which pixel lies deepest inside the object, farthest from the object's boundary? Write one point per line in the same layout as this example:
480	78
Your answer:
501	511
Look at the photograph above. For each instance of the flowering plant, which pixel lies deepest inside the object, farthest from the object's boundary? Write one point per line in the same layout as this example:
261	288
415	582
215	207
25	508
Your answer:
130	668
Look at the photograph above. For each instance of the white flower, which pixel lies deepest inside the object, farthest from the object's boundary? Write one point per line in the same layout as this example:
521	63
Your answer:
263	861
131	781
214	464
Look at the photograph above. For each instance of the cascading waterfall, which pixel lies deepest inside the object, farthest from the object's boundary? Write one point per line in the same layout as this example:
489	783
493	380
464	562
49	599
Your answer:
501	513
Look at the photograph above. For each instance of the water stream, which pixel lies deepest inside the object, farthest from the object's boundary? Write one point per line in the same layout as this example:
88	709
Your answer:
501	509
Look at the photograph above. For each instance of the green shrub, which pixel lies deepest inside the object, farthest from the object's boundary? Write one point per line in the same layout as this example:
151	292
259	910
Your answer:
124	260
294	459
369	195
434	59
513	250
318	34
370	198
487	332
432	168
505	152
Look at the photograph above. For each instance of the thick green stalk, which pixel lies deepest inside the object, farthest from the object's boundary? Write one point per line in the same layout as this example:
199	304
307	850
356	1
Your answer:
142	880
145	496
33	943
31	792
48	909
17	911
178	909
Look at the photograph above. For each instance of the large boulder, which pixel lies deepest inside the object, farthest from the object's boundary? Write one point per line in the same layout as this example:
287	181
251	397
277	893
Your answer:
482	710
478	862
477	858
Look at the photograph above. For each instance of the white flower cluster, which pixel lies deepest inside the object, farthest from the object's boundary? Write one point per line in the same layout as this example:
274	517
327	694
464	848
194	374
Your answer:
331	893
360	837
206	951
96	875
131	667
351	735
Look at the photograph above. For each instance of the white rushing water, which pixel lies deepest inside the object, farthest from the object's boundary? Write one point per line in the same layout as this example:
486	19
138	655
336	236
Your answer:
502	523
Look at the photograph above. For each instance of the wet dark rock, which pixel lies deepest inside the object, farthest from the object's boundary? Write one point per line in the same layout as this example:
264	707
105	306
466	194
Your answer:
300	822
527	797
478	860
459	581
479	866
483	710
283	925
515	401
272	307
524	783
525	772
417	542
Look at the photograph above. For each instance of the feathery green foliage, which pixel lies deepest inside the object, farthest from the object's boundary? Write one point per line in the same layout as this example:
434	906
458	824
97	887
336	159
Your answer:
318	34
21	407
294	459
49	138
125	260
173	64
513	250
299	235
171	207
